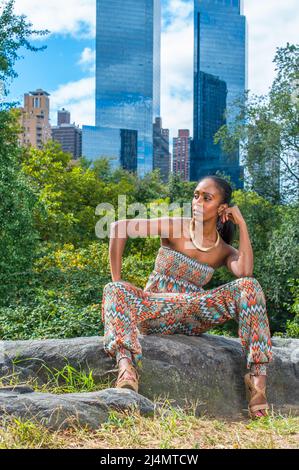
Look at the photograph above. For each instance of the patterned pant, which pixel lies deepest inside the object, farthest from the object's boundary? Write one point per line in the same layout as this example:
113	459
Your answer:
126	307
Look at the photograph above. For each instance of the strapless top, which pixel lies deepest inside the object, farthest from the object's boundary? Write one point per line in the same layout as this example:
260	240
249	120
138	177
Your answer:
176	272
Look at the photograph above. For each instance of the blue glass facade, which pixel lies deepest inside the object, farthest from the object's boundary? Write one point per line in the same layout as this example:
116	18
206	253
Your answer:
119	145
211	112
220	62
127	76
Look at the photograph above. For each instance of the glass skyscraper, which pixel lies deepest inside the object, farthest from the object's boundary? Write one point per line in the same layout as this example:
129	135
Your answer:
210	117
220	78
127	82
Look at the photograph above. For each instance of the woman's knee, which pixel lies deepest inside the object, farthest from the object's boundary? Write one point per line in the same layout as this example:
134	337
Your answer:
249	281
111	286
251	284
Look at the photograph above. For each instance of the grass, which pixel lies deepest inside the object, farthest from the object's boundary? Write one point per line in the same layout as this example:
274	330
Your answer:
59	381
169	427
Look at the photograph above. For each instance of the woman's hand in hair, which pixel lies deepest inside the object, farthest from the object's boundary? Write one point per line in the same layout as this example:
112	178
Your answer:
233	214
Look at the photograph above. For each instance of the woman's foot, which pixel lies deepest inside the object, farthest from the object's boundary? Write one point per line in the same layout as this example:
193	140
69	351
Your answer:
256	389
128	375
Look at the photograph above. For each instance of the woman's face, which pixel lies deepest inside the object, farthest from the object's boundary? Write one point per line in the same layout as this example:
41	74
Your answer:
206	201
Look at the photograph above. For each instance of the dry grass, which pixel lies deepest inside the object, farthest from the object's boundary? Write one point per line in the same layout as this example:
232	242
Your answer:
170	428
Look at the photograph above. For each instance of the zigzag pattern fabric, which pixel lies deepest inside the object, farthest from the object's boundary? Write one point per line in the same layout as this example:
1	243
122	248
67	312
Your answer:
174	301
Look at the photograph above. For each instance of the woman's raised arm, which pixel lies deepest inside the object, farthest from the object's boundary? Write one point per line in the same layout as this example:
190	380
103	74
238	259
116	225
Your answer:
122	229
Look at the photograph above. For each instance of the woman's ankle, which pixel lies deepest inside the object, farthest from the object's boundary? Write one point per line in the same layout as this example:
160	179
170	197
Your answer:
124	362
258	369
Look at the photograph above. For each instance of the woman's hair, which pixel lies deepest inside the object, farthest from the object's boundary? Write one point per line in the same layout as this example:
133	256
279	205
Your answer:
226	230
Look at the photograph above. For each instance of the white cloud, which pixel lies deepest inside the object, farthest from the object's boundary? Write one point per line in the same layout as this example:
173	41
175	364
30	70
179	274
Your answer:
75	17
78	98
271	24
177	67
87	59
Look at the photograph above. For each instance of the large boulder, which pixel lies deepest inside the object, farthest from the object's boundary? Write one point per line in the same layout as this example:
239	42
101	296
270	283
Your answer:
205	370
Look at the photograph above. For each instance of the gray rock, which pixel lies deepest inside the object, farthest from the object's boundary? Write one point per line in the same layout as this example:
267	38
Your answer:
205	371
71	409
16	388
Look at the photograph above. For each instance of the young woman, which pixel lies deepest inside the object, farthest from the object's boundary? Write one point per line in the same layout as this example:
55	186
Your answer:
174	301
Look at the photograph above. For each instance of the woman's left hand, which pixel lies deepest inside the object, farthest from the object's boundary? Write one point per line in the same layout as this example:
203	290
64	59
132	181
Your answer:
233	214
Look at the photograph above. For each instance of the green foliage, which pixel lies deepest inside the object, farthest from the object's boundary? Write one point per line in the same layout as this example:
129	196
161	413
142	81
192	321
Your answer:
273	232
18	238
62	298
267	128
292	325
67	195
179	191
279	264
14	34
53	318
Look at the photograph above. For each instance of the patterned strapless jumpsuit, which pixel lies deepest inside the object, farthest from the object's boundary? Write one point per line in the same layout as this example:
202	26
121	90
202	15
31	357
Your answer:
174	301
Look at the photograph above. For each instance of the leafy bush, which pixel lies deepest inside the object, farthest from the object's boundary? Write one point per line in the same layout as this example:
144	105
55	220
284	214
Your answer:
18	237
63	295
292	326
63	298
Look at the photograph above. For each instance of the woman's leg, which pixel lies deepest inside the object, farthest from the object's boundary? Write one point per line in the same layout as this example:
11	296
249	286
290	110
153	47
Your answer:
244	301
250	312
125	305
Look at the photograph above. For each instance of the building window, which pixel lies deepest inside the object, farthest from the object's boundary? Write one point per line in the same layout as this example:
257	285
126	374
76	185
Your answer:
36	102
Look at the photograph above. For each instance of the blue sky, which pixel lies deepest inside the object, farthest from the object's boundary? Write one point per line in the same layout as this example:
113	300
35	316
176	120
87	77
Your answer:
66	68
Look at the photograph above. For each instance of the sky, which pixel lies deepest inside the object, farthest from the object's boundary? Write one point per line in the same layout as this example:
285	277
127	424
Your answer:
66	69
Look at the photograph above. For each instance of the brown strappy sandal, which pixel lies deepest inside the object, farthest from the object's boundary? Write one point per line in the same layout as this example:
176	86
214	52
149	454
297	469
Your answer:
131	382
251	392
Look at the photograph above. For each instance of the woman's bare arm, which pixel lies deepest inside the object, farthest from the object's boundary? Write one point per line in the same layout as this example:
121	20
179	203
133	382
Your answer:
122	229
116	248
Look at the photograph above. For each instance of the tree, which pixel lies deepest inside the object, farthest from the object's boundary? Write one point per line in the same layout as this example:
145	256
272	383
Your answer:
67	195
18	238
267	128
102	169
178	190
14	34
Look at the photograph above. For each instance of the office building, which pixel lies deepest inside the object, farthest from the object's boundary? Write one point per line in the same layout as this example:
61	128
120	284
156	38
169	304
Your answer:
127	81
181	154
68	135
220	78
35	119
63	117
119	146
162	156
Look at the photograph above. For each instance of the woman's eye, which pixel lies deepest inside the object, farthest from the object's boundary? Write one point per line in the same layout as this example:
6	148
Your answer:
205	197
